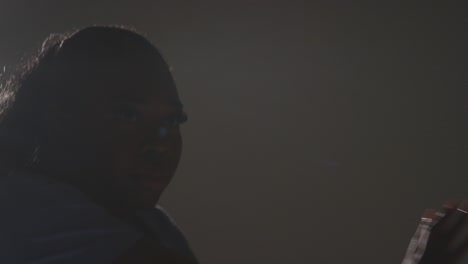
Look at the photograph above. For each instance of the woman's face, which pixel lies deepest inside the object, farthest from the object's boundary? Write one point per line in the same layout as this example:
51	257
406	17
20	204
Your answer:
122	143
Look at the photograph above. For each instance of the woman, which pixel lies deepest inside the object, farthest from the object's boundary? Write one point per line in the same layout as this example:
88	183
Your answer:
89	140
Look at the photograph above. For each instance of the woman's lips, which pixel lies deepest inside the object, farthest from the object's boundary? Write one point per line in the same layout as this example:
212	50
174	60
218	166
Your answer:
154	180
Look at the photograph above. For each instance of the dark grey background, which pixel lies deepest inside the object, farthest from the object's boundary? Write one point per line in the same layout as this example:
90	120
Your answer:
318	131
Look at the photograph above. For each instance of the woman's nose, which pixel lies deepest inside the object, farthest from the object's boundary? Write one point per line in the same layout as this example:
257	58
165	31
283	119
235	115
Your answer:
155	153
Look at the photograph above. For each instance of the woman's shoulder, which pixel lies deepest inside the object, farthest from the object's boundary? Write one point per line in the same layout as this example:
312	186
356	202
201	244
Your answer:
23	187
47	219
171	234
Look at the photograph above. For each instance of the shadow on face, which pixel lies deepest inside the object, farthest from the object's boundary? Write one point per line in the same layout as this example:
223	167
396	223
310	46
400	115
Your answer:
116	132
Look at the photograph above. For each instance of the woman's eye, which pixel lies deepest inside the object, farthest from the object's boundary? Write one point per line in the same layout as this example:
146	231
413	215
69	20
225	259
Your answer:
126	113
182	118
175	120
171	121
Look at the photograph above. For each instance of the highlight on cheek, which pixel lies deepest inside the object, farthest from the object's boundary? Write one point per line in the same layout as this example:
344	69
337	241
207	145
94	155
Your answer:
163	132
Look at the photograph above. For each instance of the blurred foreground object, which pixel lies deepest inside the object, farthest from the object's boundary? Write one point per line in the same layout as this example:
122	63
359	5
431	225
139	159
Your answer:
441	237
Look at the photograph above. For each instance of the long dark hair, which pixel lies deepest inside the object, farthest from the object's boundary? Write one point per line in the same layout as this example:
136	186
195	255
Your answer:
51	76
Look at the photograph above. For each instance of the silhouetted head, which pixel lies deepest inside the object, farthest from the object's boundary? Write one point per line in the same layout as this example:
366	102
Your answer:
98	109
